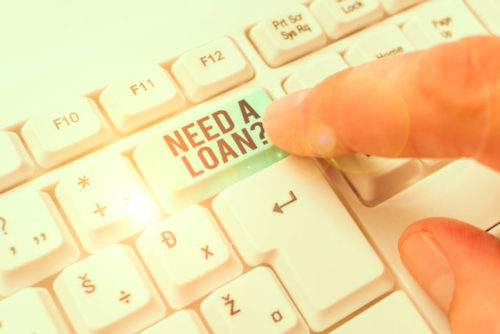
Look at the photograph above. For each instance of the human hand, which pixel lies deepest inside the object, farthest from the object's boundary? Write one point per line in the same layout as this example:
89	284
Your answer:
438	103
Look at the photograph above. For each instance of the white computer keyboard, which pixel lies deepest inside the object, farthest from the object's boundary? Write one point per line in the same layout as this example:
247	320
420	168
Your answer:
156	204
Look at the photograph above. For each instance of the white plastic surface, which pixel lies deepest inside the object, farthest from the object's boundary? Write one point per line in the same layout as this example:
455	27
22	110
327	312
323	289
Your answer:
16	164
394	6
188	256
31	310
393	315
287	35
34	242
489	12
314	72
378	43
211	69
69	128
106	201
375	179
288	217
140	98
109	293
253	303
442	21
184	322
339	18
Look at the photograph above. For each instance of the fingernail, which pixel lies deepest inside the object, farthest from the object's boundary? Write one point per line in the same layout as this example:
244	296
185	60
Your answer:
427	263
285	104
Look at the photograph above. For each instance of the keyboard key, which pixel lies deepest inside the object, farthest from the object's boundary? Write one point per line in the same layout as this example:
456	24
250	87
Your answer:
142	97
394	314
380	43
34	242
188	256
182	322
287	36
488	12
68	130
339	18
106	201
394	6
253	303
205	151
31	311
314	72
211	69
109	292
300	228
16	164
376	179
439	22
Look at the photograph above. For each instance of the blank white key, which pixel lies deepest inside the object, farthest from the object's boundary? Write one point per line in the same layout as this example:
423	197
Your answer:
488	12
109	292
188	256
376	179
34	242
442	21
253	303
65	131
211	69
379	43
16	165
393	6
106	201
31	310
339	18
393	315
300	228
182	322
314	72
287	36
143	96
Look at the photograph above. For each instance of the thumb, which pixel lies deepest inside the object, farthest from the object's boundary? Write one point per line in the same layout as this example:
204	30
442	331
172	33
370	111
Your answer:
458	265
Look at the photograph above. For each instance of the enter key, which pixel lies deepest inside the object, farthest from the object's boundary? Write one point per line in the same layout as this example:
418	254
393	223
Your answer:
196	157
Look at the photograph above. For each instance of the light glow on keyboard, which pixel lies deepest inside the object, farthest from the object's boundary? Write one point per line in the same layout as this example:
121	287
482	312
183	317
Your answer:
138	209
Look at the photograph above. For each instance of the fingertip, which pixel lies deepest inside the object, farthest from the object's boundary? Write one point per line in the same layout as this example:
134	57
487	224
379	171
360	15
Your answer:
284	123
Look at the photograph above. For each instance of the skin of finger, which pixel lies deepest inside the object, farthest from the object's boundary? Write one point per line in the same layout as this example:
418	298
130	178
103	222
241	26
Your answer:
441	102
474	256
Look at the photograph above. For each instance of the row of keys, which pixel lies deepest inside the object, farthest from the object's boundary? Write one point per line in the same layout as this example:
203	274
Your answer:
298	30
109	291
72	127
295	32
106	202
76	126
231	309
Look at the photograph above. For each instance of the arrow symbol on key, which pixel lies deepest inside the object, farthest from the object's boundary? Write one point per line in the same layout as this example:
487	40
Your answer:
279	208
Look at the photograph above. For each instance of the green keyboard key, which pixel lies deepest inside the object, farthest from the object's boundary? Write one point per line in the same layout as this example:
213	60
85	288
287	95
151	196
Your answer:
196	157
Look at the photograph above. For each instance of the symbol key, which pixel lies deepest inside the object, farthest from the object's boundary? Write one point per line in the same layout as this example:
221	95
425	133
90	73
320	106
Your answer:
188	256
109	292
34	242
106	201
253	303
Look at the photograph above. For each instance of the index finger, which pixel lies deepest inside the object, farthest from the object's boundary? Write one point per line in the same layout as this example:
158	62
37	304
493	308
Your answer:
443	102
